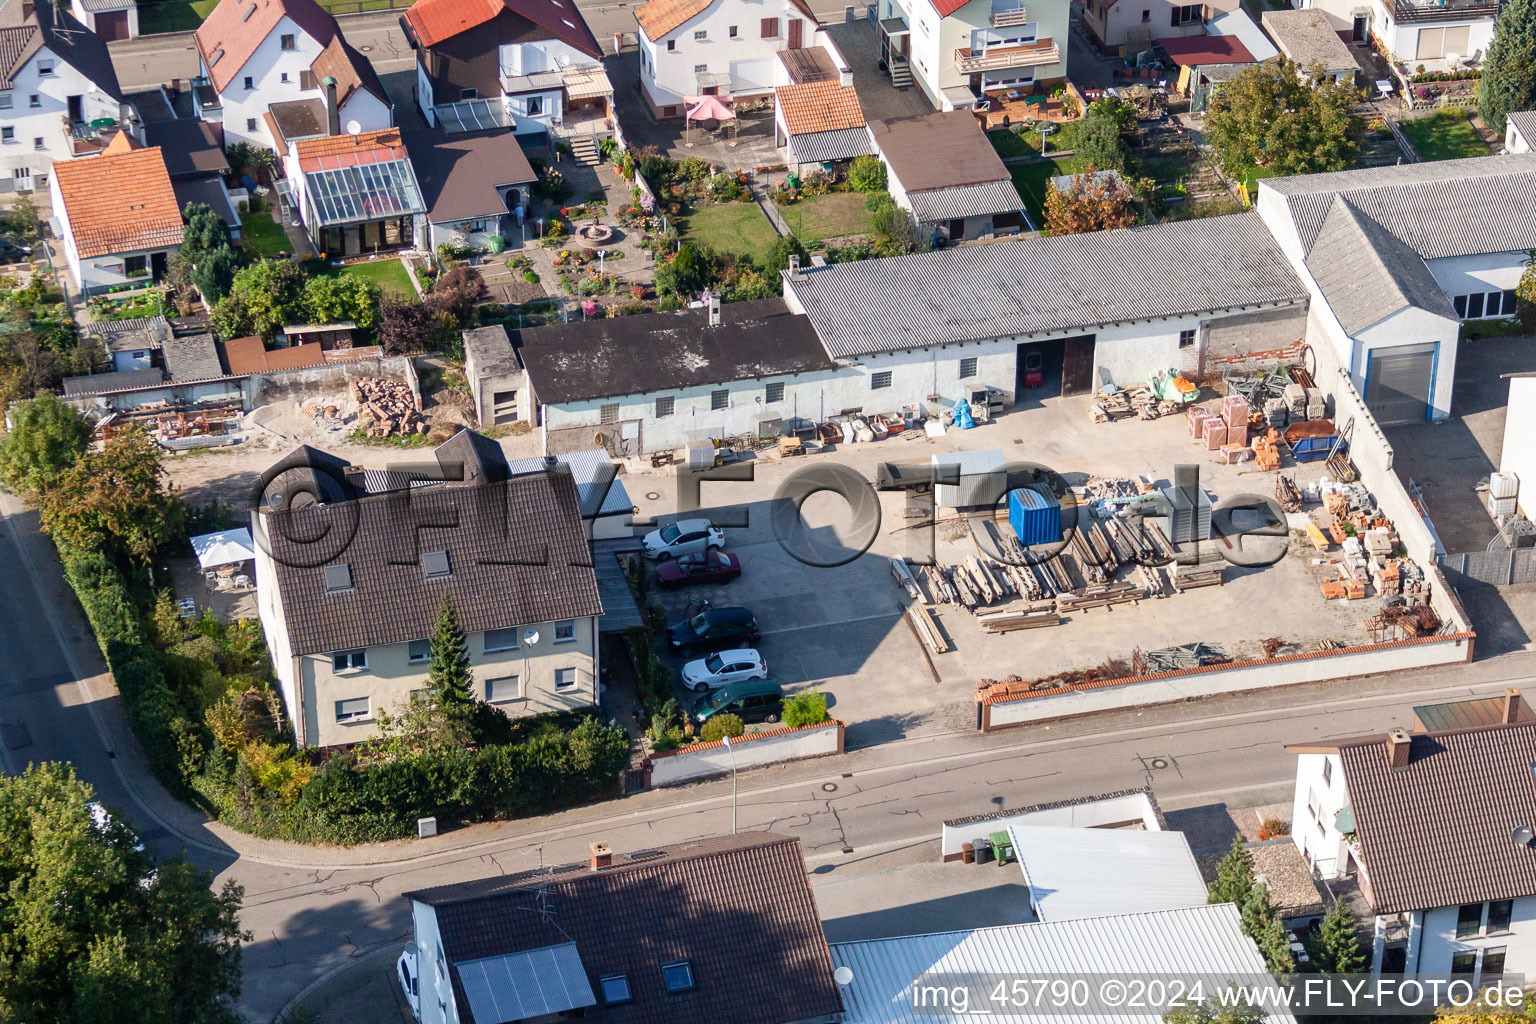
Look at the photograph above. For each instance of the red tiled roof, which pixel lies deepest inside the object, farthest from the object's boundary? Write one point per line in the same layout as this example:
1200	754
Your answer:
1193	50
231	34
434	21
659	17
119	203
819	107
342	150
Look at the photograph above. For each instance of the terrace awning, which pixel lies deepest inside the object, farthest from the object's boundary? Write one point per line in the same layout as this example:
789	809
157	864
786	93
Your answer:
586	81
224	547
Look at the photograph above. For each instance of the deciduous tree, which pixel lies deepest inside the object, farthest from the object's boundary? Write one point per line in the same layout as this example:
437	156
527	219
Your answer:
332	299
46	438
263	298
116	500
91	929
1509	73
1094	201
1268	117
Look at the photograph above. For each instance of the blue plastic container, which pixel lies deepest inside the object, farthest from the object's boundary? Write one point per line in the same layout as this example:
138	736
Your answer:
1034	515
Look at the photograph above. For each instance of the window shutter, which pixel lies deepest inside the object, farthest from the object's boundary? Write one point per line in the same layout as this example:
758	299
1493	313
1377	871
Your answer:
307	80
1175	15
1205	13
770	28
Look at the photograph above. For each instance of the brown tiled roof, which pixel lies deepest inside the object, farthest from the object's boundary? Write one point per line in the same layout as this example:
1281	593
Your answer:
517	555
251	355
351	70
909	144
431	22
345	145
819	107
737	908
236	28
119	204
459	173
658	17
1436	832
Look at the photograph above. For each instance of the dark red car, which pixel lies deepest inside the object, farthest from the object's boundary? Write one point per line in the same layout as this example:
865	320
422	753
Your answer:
712	566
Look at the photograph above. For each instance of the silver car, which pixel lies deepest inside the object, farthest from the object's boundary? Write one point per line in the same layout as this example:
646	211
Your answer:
724	668
684	537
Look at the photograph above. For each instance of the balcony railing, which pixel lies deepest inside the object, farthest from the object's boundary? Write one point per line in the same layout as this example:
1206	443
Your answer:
1447	10
1035	54
1005	16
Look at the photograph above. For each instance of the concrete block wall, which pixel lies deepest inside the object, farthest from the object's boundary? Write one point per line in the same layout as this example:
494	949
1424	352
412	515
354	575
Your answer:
769	746
1252	341
312	381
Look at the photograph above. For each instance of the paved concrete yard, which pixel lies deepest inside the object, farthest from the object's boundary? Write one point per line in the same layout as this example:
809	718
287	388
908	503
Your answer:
1448	460
841	629
367	991
878	99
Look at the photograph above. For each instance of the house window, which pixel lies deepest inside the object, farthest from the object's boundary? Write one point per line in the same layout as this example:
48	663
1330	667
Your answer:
34	100
500	640
435	565
1187	338
289	43
1510	303
7	134
615	989
1312	804
283	78
608	413
677	976
5	101
1499	913
774	392
418	651
665	407
1464	962
671	45
1475	306
349	661
469	94
307	80
44	68
133	266
700	69
250	83
1146	17
565	680
354	709
731	31
503	688
1327	771
337	578
565	631
38	143
1189	14
720	399
700	36
770	28
1469	920
879	380
250	124
1493	964
535	106
968	367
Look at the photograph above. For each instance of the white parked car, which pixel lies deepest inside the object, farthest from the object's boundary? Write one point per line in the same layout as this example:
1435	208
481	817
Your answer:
684	537
724	668
410	981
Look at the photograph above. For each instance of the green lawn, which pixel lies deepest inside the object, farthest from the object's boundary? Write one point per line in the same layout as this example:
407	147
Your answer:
183	15
1031	180
1008	144
263	236
389	274
829	216
729	227
1447	135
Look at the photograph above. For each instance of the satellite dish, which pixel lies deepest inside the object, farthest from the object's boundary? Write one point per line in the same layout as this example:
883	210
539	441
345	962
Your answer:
531	637
843	975
1522	835
353	128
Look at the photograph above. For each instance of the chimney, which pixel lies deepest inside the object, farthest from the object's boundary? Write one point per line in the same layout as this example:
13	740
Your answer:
1398	746
794	266
714	310
602	856
332	115
1511	706
845	77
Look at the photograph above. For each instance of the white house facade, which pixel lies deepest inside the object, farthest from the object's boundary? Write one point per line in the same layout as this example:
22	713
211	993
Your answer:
1439	36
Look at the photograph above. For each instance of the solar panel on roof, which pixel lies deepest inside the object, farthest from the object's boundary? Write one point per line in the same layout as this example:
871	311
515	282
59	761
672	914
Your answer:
528	984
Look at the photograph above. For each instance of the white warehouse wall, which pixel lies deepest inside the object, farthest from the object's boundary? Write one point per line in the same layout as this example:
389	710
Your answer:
1519	451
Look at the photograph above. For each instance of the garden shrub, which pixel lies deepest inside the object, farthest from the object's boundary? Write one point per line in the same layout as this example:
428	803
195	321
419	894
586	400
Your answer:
808	707
722	725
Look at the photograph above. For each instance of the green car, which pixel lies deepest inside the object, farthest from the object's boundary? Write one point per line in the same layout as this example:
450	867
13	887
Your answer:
756	700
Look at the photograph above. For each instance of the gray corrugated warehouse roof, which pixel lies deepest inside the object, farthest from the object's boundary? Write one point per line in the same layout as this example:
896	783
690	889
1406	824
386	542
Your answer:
1367	274
965	201
1040	285
1439	208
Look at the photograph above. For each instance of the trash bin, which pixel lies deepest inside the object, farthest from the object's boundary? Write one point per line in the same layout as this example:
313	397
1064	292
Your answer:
983	848
967	853
1002	847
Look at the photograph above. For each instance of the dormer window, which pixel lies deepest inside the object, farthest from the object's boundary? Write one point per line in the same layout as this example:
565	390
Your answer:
250	12
338	578
213	61
677	976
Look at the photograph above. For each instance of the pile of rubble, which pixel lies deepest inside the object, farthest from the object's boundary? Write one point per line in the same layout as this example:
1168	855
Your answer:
390	406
